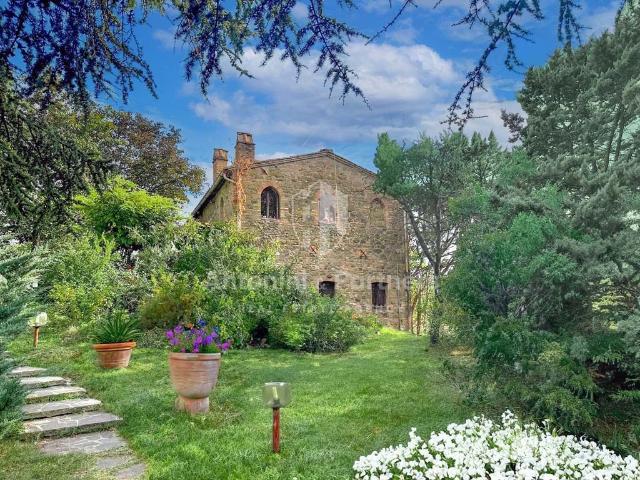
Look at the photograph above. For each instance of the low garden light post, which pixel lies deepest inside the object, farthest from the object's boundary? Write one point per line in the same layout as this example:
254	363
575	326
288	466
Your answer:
38	321
276	395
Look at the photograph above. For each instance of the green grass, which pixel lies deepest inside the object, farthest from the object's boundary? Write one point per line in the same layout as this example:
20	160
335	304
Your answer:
22	461
343	406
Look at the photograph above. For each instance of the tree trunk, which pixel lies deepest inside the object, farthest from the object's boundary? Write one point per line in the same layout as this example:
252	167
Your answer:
436	315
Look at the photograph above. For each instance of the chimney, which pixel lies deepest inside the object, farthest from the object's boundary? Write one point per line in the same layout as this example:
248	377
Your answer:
245	149
219	162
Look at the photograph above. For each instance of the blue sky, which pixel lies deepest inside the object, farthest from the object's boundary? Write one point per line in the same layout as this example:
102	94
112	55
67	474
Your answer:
409	77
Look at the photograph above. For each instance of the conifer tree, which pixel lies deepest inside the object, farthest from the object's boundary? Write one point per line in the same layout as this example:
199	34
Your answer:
550	273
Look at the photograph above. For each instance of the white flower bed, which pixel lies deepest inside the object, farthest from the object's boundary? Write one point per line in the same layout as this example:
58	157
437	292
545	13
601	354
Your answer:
482	449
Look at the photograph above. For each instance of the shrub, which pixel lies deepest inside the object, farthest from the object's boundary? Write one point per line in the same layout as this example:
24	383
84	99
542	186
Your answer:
175	300
82	280
219	274
12	397
480	448
118	327
318	324
20	286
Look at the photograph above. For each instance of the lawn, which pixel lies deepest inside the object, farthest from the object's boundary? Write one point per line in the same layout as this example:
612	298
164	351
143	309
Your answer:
344	406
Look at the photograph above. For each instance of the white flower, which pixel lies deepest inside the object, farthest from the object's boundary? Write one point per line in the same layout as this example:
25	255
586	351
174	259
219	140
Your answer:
509	450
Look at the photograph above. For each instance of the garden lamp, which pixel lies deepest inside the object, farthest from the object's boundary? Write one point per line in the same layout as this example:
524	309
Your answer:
276	395
38	321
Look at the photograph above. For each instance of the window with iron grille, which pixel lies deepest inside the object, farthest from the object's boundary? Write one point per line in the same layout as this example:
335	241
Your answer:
327	288
270	203
379	294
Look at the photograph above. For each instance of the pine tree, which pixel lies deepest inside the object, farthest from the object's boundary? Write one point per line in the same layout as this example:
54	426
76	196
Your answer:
20	296
551	272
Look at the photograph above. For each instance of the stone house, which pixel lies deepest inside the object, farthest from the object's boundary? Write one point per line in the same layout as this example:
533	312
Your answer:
327	223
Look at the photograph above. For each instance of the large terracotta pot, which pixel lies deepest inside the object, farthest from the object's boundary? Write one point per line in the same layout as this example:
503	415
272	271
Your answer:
114	355
193	376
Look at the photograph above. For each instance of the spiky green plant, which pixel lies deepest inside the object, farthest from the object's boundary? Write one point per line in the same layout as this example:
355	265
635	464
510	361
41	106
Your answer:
118	327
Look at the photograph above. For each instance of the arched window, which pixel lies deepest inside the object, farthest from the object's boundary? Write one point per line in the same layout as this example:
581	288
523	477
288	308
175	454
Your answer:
270	203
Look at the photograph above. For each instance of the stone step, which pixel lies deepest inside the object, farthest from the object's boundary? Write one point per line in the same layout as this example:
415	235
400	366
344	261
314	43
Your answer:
88	443
54	393
69	424
26	371
32	383
61	407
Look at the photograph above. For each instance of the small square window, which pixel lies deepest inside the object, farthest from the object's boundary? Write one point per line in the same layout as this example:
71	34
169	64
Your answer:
327	288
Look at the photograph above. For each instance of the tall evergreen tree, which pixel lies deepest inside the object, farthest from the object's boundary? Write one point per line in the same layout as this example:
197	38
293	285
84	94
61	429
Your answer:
551	273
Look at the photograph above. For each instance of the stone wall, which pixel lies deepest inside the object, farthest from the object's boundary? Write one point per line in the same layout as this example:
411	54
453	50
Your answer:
332	227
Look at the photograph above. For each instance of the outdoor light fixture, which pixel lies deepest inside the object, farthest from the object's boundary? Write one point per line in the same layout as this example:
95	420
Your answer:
276	395
38	321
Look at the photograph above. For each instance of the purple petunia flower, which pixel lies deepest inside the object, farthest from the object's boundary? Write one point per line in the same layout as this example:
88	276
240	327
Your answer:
196	339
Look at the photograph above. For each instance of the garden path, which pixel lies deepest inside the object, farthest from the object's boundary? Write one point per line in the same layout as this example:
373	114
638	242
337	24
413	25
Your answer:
63	420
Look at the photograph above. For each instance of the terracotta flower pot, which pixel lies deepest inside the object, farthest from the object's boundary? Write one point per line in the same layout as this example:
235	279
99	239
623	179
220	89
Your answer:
114	355
193	376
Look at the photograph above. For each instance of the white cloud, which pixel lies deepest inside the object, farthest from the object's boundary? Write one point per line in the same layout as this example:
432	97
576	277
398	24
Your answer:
300	11
167	38
600	19
408	88
403	32
268	156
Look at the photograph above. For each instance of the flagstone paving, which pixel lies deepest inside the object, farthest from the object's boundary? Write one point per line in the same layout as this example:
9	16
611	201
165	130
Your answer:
57	392
26	371
42	382
65	424
95	442
60	410
60	407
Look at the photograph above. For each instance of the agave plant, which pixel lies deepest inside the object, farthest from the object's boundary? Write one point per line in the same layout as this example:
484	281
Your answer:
118	327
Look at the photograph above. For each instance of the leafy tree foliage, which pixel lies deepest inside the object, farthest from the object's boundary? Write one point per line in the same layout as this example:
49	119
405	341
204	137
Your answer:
125	213
550	271
432	179
148	153
43	163
90	47
74	46
86	44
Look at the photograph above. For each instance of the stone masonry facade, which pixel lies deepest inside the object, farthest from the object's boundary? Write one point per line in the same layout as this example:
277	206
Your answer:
330	226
